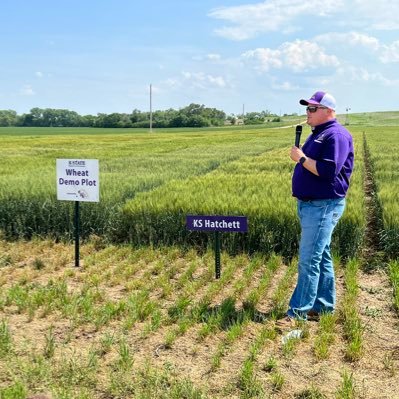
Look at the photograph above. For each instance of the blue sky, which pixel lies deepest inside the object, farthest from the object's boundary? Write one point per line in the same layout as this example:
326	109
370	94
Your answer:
95	56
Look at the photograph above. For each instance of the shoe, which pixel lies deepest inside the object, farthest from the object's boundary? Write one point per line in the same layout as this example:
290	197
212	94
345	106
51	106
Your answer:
286	323
313	315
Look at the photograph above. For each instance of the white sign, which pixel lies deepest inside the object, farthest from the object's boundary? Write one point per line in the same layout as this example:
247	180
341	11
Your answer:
78	180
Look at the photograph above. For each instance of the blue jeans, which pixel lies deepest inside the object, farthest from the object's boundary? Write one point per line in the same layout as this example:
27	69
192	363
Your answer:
315	287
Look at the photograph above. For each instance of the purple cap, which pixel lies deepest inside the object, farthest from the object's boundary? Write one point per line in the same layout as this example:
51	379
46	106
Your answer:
320	98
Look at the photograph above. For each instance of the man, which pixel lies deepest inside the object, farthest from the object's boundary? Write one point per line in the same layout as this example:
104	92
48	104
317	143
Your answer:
320	182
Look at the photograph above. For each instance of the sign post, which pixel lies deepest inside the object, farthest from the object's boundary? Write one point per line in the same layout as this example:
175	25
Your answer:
217	224
77	180
217	254
76	233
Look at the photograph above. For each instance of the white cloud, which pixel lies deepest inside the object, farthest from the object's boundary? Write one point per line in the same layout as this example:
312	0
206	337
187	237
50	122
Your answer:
27	91
386	53
197	80
350	38
285	86
264	59
273	15
390	53
380	16
202	80
214	57
39	74
298	56
302	55
250	20
172	82
359	39
362	74
216	80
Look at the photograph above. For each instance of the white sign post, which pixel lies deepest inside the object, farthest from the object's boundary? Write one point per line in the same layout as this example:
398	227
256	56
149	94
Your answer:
78	180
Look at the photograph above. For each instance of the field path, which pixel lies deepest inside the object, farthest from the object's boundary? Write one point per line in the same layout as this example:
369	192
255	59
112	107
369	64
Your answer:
380	362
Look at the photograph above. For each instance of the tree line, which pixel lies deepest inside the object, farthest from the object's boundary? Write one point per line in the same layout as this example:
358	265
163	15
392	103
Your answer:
193	115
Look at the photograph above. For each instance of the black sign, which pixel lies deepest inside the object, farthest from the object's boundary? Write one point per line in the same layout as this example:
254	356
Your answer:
217	223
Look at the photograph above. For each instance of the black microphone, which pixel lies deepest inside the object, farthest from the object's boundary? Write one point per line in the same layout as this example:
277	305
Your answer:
298	132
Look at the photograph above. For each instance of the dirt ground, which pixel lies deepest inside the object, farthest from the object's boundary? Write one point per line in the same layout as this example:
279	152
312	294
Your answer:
375	374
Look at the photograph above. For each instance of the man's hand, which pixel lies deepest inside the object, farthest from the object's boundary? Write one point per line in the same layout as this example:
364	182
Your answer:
296	154
310	164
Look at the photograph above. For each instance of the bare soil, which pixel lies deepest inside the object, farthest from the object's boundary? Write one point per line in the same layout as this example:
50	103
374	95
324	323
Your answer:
375	375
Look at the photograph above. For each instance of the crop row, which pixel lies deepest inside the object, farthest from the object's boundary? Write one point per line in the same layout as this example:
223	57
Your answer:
149	183
129	164
91	329
384	147
258	187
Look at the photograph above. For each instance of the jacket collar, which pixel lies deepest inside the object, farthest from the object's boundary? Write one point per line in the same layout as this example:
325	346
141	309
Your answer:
319	128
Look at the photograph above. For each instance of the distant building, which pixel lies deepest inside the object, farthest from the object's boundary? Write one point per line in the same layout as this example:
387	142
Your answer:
234	121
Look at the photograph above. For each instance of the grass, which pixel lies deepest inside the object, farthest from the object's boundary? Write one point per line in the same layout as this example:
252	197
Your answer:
352	324
280	298
367	119
16	390
347	388
248	383
385	167
310	393
270	365
394	277
5	339
277	381
50	344
325	335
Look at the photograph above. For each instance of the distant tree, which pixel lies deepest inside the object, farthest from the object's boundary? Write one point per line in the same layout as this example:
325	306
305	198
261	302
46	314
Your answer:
99	122
198	121
37	116
253	118
50	117
179	120
138	116
193	115
124	121
88	120
159	119
8	118
199	116
169	116
26	120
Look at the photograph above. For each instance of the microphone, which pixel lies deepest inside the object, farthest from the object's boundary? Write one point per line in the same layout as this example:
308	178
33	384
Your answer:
298	132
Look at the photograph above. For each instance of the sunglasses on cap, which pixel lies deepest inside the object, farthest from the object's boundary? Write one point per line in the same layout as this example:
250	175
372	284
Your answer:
313	108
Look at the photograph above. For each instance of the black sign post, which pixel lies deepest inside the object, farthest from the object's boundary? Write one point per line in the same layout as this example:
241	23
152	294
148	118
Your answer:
217	224
217	254
77	233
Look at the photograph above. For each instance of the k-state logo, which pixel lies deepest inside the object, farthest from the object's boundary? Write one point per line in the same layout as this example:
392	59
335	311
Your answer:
320	139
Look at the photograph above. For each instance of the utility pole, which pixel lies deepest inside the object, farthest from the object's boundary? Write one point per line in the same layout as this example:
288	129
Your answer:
347	116
150	108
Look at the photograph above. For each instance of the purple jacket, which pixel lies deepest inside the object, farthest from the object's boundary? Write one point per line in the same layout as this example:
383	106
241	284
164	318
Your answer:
331	145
